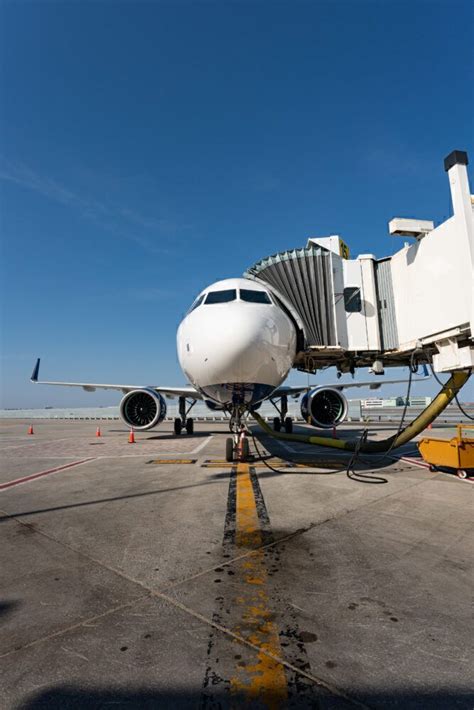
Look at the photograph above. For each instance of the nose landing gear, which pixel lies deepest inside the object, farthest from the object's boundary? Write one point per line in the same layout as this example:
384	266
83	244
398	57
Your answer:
183	421
237	447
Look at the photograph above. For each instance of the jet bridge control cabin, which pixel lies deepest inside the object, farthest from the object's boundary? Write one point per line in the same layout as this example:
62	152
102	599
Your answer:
376	312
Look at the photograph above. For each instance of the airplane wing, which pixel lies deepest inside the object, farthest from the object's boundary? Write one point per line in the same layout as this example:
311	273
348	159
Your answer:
291	391
170	392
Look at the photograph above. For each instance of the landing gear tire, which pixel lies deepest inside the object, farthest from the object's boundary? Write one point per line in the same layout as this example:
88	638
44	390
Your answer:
277	424
288	425
229	450
177	426
244	449
189	426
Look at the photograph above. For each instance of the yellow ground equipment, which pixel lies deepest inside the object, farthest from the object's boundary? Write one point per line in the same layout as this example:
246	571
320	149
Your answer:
456	452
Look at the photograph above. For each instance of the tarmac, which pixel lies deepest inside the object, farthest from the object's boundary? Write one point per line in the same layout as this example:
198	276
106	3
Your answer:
155	575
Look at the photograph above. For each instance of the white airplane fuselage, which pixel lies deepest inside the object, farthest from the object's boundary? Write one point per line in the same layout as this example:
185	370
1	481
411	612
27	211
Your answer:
236	345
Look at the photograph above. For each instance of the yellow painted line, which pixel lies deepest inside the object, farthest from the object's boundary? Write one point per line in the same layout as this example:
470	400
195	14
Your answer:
210	463
281	464
178	461
253	463
263	680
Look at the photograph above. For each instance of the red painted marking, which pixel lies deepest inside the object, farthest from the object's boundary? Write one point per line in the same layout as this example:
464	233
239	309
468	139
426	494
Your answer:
24	479
423	464
414	462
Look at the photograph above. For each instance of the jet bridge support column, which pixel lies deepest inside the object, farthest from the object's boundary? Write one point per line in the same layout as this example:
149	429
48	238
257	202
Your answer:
463	205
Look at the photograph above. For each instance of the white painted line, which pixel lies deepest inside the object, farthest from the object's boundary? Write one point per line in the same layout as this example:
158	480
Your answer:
287	447
37	442
200	447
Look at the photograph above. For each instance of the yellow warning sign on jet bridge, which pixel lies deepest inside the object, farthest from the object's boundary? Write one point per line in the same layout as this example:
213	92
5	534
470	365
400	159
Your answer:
344	249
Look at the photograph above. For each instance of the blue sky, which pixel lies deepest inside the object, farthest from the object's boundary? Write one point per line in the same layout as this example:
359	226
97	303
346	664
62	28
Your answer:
148	149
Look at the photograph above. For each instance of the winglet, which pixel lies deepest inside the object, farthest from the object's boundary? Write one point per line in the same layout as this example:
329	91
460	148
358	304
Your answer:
34	374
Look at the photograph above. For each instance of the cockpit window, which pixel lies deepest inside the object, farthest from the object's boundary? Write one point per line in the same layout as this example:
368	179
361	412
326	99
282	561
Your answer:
229	294
197	302
247	294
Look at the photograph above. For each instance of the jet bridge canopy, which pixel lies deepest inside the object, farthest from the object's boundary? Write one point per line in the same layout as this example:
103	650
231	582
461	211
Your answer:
302	279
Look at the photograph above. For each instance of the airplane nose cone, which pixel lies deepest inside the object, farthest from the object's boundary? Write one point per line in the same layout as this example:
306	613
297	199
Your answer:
236	344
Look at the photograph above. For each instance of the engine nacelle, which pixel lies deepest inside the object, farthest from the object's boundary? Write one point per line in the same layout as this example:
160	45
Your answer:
324	407
143	409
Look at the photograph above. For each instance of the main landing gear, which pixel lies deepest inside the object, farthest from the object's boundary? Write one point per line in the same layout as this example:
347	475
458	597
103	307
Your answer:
183	421
282	421
237	447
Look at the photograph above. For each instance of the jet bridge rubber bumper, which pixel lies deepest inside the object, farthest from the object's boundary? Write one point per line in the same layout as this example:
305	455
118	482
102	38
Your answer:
441	401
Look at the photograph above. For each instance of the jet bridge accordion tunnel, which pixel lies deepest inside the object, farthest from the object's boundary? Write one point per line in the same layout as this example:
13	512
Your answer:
301	280
364	312
343	310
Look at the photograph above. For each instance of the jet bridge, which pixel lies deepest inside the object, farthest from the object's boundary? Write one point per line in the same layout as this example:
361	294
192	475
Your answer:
376	312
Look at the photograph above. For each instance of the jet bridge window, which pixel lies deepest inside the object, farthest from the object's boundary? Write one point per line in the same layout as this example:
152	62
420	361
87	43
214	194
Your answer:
221	296
352	299
247	294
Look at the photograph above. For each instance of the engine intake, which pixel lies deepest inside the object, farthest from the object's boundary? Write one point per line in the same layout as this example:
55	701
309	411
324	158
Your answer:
143	409
324	407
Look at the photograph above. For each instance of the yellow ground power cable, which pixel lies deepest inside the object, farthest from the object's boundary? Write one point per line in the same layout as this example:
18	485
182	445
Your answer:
448	392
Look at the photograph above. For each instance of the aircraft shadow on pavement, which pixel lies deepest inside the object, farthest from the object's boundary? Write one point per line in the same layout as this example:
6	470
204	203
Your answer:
318	456
8	606
77	698
145	436
98	501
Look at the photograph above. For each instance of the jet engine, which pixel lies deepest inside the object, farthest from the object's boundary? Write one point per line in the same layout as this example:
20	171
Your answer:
325	407
143	409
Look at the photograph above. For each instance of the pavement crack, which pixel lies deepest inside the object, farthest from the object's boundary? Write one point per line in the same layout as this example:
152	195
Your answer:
228	633
84	623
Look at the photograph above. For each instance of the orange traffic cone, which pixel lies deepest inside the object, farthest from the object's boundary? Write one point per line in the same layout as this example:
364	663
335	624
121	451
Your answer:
30	430
98	432
131	438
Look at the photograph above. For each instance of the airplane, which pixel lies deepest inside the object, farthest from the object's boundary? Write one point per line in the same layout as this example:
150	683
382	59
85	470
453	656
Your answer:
236	346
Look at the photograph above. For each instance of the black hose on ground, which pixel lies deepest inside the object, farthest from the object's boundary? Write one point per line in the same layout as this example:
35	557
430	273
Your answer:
448	392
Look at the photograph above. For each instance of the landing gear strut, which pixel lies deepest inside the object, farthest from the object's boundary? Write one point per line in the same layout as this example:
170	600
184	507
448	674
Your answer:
282	421
237	448
183	421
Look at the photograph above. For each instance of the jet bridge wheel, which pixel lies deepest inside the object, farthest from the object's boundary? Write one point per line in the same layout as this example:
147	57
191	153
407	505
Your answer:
177	426
189	426
288	425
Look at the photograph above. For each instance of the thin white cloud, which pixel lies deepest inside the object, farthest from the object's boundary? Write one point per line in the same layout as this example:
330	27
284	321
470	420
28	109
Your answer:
122	221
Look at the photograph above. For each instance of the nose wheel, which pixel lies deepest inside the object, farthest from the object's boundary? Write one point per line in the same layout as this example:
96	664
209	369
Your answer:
237	447
239	451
